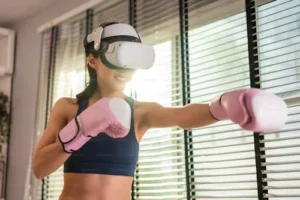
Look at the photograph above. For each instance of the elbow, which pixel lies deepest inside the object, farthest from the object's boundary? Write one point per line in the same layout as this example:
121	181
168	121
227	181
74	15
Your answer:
37	172
37	176
186	127
185	124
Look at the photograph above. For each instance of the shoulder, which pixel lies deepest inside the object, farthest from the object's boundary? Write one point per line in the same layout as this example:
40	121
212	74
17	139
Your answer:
144	108
64	102
147	106
141	110
65	107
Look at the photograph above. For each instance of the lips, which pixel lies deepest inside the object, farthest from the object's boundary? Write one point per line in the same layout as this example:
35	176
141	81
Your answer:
121	78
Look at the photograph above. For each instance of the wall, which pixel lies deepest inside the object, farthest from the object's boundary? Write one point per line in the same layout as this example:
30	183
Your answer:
24	95
5	84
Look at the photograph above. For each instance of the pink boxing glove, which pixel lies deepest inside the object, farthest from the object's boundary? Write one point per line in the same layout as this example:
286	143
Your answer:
109	115
253	109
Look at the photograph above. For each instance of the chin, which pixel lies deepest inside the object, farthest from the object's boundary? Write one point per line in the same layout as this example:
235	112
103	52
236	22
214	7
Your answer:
120	88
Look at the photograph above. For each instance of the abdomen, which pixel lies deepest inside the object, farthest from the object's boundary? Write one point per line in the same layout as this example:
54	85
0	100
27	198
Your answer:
95	187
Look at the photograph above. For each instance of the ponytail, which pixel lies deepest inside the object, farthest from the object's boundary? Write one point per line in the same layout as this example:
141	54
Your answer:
88	91
93	84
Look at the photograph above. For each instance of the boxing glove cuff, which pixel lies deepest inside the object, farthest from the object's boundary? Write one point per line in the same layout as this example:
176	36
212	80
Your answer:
217	110
72	137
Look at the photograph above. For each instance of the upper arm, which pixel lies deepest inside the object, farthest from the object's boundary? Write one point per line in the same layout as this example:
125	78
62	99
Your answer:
187	117
158	116
57	120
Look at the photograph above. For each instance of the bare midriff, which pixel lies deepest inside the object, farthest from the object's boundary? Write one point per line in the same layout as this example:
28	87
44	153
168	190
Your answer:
96	187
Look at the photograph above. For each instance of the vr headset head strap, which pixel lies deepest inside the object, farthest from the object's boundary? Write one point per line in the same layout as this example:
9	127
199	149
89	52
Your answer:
96	36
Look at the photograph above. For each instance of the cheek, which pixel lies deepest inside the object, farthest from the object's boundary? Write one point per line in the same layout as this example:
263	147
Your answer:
132	75
105	73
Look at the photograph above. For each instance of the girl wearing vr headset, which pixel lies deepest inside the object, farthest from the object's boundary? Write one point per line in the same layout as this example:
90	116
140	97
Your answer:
96	136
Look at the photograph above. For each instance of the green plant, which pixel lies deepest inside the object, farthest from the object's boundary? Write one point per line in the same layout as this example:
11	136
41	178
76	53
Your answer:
4	115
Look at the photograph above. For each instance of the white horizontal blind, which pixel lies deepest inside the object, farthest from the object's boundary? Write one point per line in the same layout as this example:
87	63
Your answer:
70	59
160	173
223	165
279	60
111	11
282	154
68	79
279	47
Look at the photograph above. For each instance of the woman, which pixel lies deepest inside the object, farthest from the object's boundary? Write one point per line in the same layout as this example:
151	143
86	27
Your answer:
96	136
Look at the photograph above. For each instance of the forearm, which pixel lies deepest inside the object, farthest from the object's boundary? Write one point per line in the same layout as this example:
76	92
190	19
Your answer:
48	159
242	107
195	115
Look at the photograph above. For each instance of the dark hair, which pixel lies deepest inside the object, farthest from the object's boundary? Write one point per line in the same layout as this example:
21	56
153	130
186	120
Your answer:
92	85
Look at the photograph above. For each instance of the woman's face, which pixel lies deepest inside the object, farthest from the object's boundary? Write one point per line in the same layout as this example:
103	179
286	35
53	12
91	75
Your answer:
110	79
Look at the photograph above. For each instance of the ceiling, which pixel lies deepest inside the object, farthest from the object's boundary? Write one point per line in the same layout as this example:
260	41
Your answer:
14	10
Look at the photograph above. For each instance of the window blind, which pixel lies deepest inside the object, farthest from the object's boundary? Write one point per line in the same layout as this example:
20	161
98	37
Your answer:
111	11
222	162
69	59
283	159
279	49
279	66
160	172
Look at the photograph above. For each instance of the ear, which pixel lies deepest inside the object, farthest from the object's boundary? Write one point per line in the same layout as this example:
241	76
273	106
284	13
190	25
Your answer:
92	61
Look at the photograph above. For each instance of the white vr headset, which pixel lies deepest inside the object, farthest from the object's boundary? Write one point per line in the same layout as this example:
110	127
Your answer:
120	47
